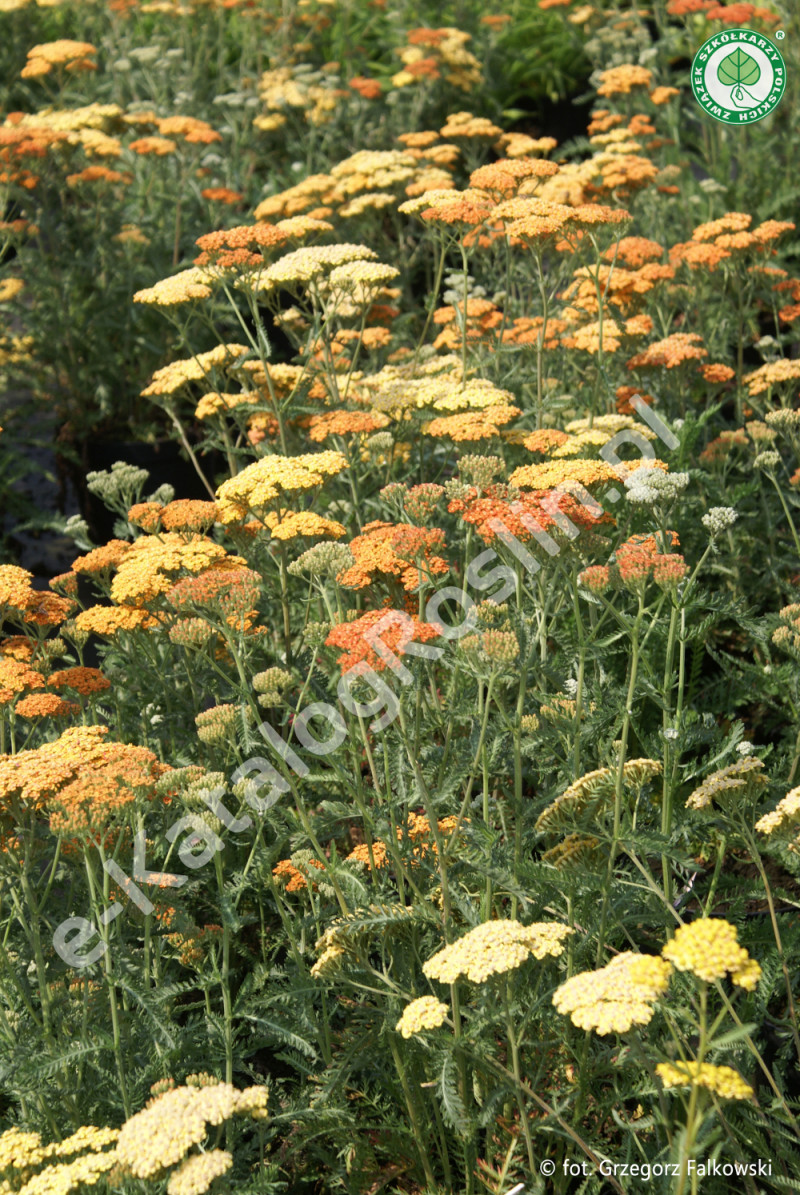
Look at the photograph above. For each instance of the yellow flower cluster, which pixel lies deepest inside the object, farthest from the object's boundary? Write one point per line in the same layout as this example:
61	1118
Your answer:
21	1153
180	288
215	403
165	1130
574	799
494	948
63	1177
772	374
173	377
722	1080
742	778
196	1174
709	948
785	815
145	571
424	1013
618	996
575	851
552	473
270	477
109	620
303	523
309	263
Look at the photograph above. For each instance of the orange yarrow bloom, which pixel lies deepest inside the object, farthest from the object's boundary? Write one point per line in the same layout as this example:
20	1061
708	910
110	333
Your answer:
353	638
393	550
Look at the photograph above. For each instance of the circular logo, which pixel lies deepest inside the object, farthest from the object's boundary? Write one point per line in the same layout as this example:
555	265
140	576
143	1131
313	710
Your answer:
738	76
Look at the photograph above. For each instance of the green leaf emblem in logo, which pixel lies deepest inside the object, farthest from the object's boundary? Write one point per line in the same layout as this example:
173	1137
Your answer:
739	68
739	71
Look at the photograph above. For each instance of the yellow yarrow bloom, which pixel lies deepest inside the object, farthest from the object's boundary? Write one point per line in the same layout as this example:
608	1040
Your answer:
494	948
311	262
146	570
710	950
424	1013
722	1080
295	524
163	1133
618	996
196	1174
63	1177
180	288
553	473
785	815
270	477
173	377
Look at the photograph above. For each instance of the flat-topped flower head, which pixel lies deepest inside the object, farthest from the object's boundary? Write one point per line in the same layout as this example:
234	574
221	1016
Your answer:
709	948
426	1012
617	997
309	263
162	1134
737	781
722	1080
494	948
272	477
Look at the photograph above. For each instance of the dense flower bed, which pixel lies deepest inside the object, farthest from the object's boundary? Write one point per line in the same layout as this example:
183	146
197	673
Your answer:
415	805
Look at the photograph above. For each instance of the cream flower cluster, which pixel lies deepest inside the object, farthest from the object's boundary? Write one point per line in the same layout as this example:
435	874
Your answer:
426	1012
494	948
163	1133
618	996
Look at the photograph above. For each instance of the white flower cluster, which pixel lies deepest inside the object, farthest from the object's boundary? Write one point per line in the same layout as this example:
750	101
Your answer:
719	519
648	487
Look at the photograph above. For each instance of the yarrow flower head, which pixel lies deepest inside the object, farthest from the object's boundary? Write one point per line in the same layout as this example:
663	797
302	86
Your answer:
162	1134
649	487
619	996
494	948
784	818
719	519
426	1012
709	948
722	1080
742	779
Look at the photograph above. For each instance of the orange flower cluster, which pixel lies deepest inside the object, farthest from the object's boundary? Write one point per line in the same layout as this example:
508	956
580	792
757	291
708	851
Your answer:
244	245
71	55
482	317
82	779
100	561
620	80
45	705
642	558
398	550
184	514
15	677
352	637
472	425
83	680
670	352
20	602
527	516
292	878
342	423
